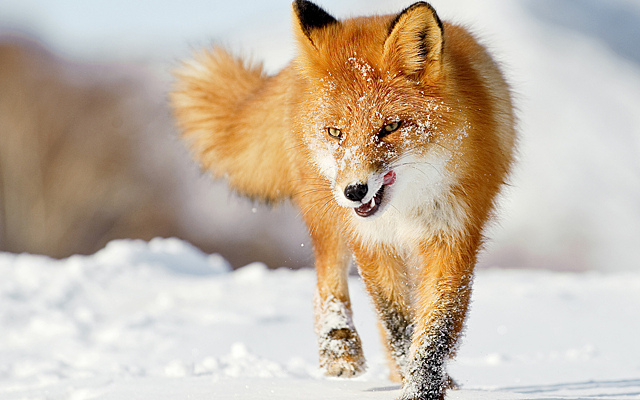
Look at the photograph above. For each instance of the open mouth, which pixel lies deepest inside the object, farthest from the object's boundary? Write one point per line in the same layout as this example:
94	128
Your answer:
370	208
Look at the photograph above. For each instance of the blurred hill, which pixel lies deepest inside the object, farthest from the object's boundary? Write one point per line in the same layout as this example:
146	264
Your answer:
88	150
88	153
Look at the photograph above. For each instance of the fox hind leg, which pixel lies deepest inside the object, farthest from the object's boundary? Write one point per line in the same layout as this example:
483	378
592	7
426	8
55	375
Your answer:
397	329
384	276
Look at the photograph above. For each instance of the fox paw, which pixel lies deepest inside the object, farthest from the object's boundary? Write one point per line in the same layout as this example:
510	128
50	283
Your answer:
341	353
451	384
411	392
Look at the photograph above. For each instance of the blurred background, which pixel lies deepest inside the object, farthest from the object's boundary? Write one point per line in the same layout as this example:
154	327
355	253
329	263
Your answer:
89	151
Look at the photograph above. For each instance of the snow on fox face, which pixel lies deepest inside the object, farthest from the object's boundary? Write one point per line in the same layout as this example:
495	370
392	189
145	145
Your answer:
372	129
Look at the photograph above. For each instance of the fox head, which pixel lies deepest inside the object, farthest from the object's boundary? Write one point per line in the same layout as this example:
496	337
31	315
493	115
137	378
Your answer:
374	101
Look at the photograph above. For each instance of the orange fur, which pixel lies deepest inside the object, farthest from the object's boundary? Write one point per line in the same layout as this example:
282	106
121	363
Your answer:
393	134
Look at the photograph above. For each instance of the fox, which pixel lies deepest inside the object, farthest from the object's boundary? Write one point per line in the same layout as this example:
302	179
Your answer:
394	135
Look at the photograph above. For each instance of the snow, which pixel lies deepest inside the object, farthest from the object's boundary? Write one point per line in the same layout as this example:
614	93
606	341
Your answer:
162	320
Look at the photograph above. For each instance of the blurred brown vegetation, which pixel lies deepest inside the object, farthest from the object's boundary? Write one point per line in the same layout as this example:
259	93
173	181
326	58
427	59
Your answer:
88	153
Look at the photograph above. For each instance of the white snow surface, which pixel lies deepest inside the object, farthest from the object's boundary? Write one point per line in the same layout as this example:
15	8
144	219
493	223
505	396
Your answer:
161	320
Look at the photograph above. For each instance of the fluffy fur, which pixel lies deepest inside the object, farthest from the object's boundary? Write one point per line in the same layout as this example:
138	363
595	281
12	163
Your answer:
393	134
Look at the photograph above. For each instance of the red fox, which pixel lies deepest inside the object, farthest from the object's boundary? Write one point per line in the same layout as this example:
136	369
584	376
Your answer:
393	134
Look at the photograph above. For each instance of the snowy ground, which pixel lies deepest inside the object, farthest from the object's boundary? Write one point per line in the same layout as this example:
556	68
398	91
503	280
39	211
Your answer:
161	320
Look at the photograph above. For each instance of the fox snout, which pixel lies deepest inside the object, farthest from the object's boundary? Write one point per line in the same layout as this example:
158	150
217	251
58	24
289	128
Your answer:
366	198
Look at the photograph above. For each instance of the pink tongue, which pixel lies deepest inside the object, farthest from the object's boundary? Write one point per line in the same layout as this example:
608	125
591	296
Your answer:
389	178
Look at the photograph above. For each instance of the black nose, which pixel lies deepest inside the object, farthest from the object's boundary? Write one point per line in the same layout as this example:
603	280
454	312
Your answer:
356	191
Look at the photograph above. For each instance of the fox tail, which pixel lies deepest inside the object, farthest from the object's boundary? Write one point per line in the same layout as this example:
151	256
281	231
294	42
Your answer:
217	103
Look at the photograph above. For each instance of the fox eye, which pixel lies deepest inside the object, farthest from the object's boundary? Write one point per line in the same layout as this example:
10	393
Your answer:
389	128
334	133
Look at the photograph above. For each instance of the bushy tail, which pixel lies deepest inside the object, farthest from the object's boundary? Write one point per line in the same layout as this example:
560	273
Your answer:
226	113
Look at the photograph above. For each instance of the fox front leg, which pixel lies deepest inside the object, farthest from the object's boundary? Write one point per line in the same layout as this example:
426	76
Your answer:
340	348
339	345
427	378
444	290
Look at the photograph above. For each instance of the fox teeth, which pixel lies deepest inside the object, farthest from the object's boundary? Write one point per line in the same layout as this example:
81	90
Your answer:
373	202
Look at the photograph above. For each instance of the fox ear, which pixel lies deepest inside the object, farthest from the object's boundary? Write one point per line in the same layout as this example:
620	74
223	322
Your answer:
415	41
311	18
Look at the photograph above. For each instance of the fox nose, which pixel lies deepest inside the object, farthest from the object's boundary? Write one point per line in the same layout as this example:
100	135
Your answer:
356	191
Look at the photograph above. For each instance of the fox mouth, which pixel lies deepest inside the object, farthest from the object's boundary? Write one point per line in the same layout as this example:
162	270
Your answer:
371	207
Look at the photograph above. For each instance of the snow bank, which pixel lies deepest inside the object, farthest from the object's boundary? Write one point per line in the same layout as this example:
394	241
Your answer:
162	320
